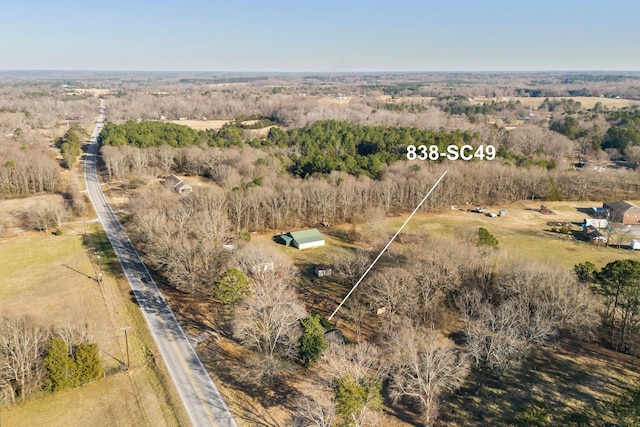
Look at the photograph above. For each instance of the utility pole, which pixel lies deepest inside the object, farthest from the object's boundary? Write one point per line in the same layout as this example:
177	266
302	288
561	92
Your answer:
99	271
126	338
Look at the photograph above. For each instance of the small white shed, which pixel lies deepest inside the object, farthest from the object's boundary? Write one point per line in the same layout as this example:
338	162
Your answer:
635	244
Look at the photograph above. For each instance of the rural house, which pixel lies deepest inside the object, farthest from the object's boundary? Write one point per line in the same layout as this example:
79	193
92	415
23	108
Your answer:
178	185
623	212
302	239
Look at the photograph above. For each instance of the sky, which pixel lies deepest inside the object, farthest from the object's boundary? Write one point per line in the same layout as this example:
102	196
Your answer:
320	36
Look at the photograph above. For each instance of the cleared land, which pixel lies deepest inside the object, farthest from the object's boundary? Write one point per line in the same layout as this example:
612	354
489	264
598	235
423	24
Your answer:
202	124
525	231
51	280
586	101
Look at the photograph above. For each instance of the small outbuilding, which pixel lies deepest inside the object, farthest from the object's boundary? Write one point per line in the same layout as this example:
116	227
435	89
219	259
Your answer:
178	185
335	336
595	222
635	244
322	270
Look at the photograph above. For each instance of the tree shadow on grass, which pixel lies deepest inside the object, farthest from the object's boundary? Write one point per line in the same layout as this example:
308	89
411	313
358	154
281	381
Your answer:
97	244
572	381
232	365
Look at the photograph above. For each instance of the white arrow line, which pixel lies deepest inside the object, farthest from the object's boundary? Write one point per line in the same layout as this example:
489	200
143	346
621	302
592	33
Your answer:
388	244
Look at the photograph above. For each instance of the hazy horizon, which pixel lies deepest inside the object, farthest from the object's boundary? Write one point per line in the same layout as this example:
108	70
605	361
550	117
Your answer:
288	36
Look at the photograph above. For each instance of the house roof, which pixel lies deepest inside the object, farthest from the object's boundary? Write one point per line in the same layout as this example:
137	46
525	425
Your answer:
306	236
173	180
622	207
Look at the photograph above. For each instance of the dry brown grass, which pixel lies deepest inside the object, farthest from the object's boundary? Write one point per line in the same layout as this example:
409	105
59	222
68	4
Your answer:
524	231
202	124
51	280
90	91
586	101
16	209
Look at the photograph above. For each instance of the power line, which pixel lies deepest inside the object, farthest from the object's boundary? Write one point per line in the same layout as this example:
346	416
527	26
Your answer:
388	244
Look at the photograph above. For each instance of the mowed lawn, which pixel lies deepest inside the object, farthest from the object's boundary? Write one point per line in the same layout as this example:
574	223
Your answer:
523	231
51	280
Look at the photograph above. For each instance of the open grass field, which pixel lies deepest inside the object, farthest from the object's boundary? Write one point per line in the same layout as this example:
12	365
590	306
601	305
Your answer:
523	231
586	101
202	124
52	280
217	124
14	210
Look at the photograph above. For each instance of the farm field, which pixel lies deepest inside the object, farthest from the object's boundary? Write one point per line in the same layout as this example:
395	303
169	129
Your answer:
523	231
51	280
207	124
586	101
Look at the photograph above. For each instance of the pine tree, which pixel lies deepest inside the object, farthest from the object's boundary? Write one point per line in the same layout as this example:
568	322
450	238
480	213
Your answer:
312	343
88	362
62	369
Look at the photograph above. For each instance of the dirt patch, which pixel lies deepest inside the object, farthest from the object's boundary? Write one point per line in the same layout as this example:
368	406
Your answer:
586	101
202	124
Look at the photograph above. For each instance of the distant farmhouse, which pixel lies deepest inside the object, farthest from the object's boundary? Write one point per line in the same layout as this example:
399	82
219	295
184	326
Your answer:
623	212
302	239
178	185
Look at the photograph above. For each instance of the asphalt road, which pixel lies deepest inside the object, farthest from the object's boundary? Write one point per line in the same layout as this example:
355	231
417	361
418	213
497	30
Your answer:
199	394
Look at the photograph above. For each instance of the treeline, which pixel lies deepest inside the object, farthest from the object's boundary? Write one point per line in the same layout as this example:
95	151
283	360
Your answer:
266	198
624	132
33	359
619	284
330	145
617	131
25	172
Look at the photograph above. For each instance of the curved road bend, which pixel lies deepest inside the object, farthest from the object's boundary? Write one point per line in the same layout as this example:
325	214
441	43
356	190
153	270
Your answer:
198	392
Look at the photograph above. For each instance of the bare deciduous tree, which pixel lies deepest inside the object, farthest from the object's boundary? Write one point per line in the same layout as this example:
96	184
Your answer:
316	406
395	290
22	346
424	364
269	319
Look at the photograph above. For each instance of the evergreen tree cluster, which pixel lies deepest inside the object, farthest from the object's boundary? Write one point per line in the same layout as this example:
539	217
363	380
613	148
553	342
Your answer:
67	370
320	148
312	343
148	134
70	144
625	129
331	145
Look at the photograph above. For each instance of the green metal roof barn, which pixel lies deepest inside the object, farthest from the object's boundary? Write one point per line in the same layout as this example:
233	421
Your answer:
302	239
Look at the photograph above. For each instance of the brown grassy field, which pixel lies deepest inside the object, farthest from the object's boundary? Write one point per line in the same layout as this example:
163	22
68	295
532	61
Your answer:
523	231
16	209
52	280
202	124
217	124
586	101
